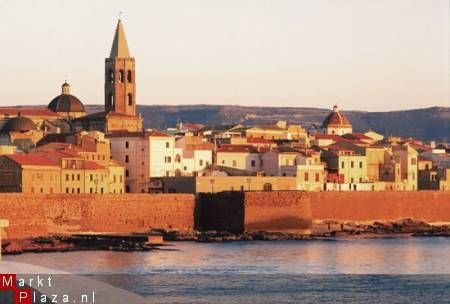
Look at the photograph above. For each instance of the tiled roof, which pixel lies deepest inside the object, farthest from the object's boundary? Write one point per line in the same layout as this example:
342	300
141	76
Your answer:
192	126
157	133
28	111
90	165
237	149
359	136
256	140
33	159
328	136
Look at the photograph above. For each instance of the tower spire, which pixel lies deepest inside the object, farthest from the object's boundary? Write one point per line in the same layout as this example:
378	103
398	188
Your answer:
119	47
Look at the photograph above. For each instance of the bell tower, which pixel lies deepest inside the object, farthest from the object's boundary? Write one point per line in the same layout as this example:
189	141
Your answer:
120	81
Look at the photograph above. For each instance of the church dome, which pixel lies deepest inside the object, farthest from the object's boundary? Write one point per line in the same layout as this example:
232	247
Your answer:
336	118
19	124
66	102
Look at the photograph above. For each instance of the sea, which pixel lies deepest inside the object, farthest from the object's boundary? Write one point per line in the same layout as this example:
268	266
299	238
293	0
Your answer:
353	270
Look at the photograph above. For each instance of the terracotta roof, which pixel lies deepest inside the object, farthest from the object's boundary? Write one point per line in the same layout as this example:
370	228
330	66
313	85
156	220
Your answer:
256	140
192	126
28	111
328	136
19	124
157	133
359	136
33	159
237	149
66	103
336	118
90	165
62	147
152	133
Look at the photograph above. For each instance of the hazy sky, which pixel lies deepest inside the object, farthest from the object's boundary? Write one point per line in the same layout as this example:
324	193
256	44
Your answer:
362	54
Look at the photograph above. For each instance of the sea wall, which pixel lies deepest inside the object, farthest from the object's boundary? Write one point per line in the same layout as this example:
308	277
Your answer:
280	211
40	215
427	206
288	211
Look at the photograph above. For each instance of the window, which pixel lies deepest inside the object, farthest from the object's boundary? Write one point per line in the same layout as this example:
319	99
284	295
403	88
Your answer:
78	190
114	178
201	162
167	145
111	76
342	165
129	76
67	190
121	76
90	190
120	178
413	161
317	176
352	164
101	190
130	99
168	159
127	145
352	180
253	163
111	99
127	173
51	189
360	164
234	163
127	159
306	176
73	176
223	162
67	177
32	190
267	187
360	179
78	177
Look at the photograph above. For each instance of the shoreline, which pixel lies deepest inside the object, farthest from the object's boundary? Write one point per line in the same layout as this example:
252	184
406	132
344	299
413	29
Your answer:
137	242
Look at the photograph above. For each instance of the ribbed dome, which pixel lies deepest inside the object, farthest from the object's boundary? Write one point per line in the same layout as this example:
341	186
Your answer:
66	102
19	124
336	118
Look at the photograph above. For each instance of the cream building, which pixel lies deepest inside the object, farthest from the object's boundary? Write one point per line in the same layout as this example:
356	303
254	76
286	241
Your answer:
408	158
241	157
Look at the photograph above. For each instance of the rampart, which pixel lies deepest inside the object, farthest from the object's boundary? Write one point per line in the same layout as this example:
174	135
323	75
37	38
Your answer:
277	211
289	211
40	215
427	206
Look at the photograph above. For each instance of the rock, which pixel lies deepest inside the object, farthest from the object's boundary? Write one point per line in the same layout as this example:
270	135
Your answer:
12	248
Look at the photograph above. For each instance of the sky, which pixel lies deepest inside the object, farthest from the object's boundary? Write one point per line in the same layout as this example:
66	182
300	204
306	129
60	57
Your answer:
373	55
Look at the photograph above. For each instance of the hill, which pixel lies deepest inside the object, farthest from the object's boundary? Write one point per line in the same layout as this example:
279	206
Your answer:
425	124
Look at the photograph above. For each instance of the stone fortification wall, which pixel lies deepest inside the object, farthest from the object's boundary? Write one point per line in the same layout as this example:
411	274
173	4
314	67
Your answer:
427	206
40	215
288	211
284	211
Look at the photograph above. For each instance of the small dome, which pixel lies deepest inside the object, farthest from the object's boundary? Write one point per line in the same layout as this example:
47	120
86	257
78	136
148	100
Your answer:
19	124
66	102
336	118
